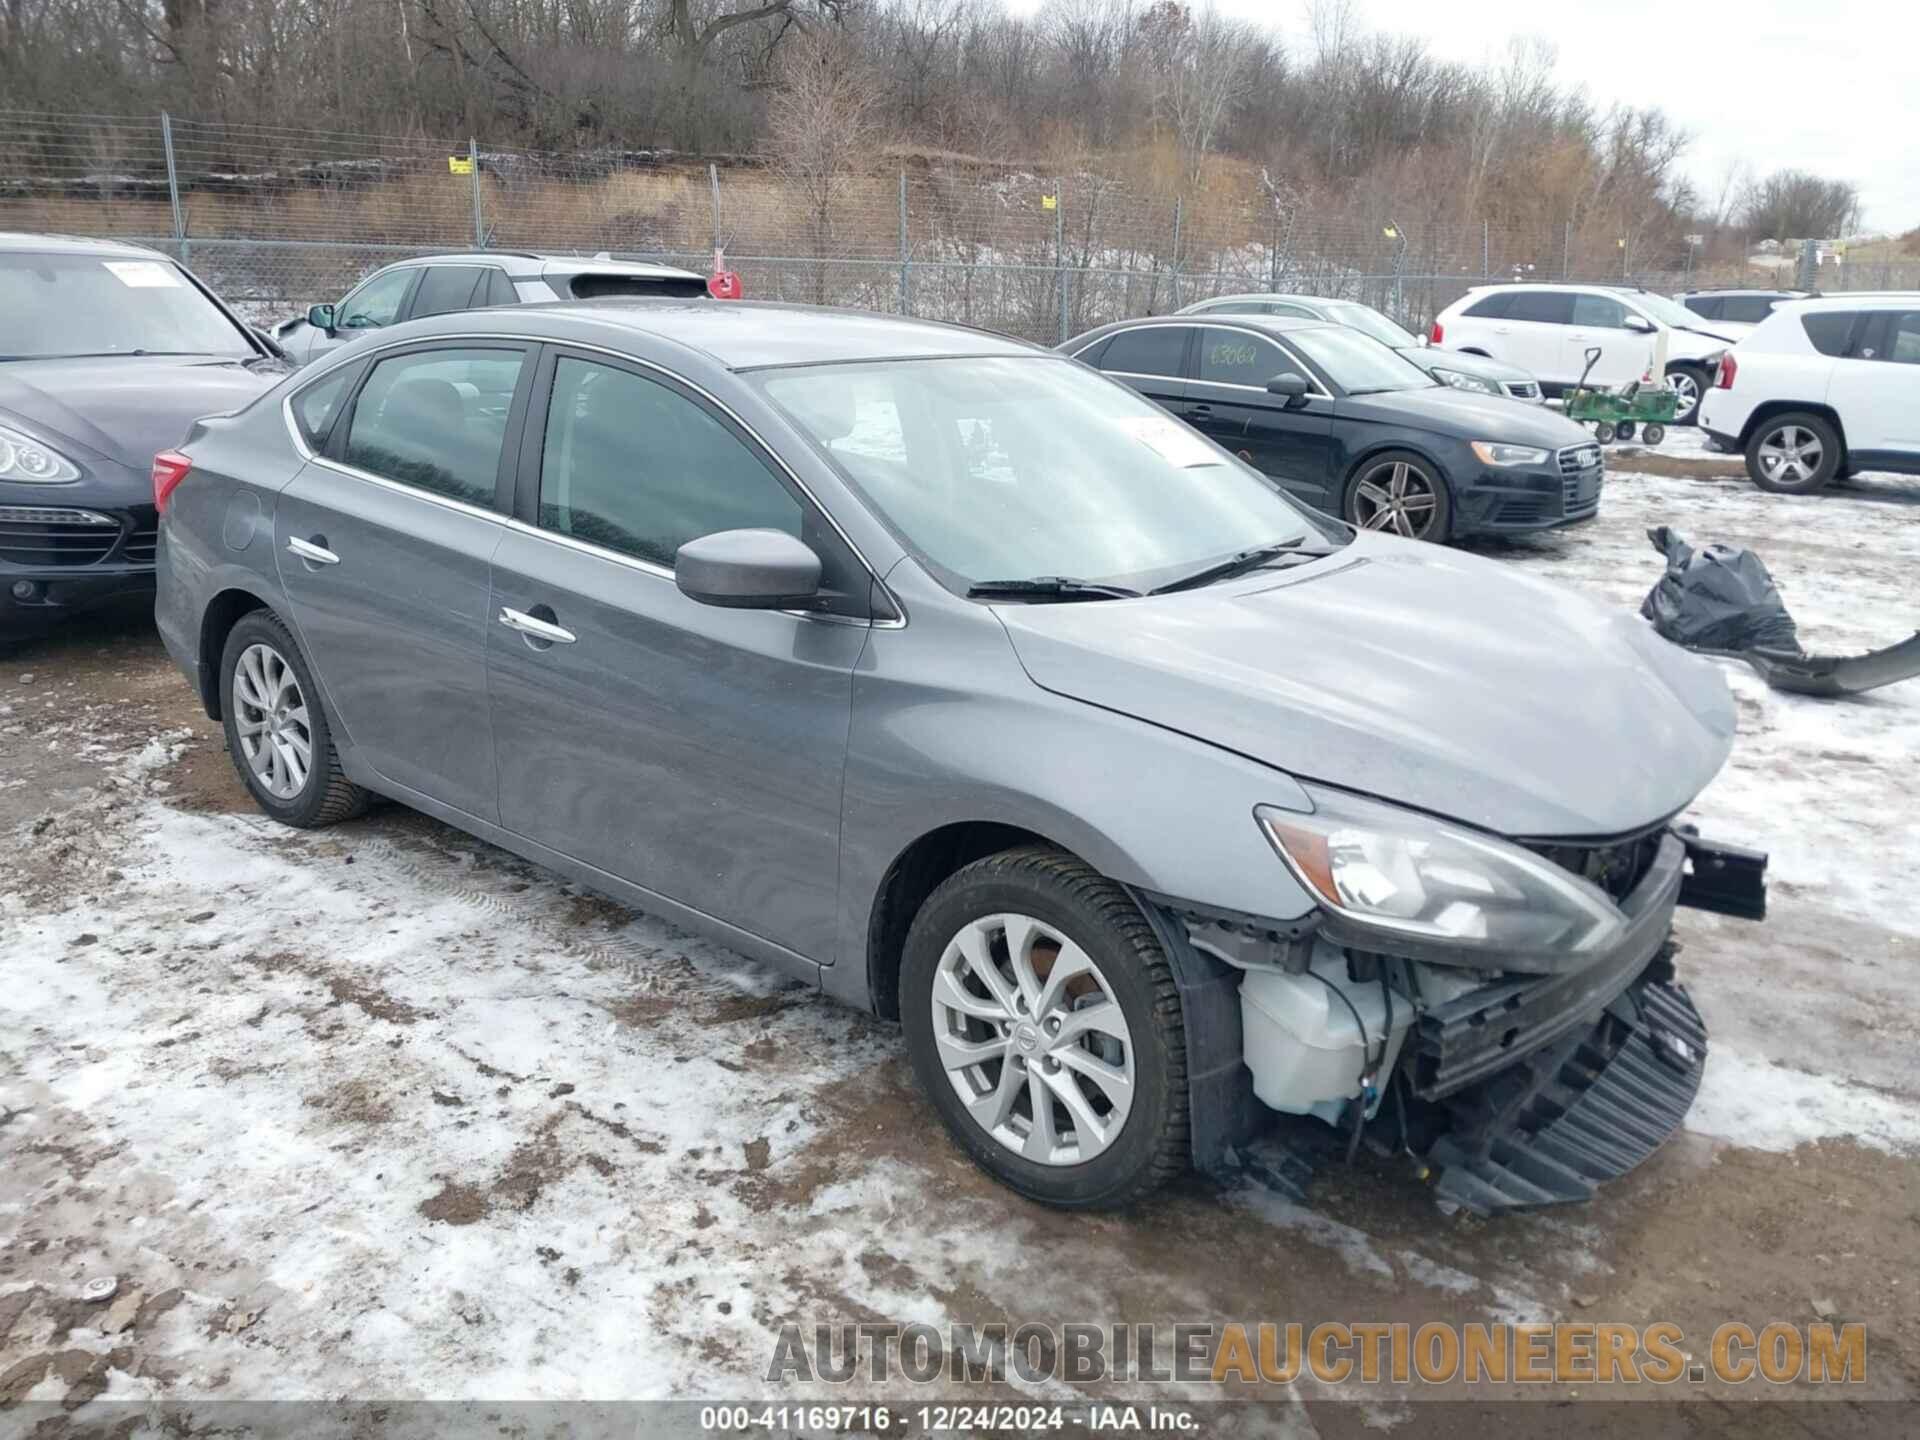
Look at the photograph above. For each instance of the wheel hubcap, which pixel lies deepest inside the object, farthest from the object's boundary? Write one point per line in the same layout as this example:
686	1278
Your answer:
1790	453
1395	497
1033	1040
1688	392
270	718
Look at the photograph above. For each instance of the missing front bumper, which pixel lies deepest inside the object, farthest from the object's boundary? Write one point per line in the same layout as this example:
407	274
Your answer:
1585	1112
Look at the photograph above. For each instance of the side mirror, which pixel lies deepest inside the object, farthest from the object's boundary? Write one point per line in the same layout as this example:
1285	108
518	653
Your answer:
1639	324
320	317
1291	386
747	570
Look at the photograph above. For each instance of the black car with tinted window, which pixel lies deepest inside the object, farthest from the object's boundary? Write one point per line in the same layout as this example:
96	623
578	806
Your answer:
108	354
1352	428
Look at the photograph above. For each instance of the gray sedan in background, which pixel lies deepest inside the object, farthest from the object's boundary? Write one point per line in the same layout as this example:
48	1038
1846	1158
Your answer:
965	684
1450	367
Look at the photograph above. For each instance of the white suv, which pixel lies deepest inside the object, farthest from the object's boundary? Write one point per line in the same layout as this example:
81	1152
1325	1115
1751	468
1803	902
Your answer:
1823	388
1548	329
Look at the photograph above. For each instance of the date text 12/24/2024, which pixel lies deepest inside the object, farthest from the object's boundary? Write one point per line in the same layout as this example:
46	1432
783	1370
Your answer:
941	1419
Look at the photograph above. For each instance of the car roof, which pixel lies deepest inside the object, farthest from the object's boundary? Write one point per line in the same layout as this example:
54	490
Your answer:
25	242
1748	290
530	263
1854	300
1278	324
742	334
1195	308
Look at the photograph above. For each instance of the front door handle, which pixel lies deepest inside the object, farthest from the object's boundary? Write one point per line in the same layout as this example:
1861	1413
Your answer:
308	550
532	625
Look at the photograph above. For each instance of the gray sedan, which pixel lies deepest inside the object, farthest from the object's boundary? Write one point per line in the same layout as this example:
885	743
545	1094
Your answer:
958	680
1450	367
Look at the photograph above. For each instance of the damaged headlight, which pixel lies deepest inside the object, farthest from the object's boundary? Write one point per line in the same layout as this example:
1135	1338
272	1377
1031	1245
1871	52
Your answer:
1399	880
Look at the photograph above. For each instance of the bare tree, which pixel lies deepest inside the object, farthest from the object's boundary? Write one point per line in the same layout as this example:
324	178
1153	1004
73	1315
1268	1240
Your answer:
1793	205
824	135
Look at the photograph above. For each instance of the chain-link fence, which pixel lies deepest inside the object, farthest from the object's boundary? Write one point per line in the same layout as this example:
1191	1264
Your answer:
276	219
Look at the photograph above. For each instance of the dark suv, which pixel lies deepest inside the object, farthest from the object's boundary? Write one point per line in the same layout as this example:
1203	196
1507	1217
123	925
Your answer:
440	284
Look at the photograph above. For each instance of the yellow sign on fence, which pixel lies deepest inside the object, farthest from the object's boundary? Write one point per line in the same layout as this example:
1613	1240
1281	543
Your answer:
1049	202
460	164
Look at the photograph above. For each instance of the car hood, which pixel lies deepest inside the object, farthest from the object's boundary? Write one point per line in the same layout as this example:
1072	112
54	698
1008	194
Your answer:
1429	358
127	407
1467	415
1441	681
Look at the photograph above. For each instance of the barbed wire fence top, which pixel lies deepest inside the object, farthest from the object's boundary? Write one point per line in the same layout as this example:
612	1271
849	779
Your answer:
275	219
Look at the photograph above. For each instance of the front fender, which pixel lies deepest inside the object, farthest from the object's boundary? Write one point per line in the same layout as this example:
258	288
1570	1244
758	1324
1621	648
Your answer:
1155	810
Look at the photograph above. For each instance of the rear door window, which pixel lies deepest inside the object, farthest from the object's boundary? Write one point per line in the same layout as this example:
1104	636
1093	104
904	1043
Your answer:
1707	305
500	290
444	289
1541	307
1233	357
1829	330
1150	350
436	420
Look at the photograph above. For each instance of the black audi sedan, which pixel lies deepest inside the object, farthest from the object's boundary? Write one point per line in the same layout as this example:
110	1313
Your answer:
108	353
1352	428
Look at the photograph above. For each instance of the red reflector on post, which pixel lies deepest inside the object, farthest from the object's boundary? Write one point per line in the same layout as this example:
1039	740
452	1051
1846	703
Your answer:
170	467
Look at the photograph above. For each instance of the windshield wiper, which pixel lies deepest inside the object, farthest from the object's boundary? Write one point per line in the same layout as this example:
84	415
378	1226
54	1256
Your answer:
1251	558
1048	587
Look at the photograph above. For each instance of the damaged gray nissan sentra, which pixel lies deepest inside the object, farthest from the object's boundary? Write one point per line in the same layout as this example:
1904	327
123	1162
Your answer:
969	686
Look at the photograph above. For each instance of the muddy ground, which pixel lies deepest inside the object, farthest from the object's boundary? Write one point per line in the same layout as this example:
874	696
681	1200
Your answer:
383	1112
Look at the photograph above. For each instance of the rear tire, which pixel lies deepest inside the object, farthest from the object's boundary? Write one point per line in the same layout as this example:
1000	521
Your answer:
277	730
991	1032
1793	454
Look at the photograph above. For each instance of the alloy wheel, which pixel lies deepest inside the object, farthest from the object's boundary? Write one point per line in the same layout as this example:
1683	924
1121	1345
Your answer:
1791	454
1033	1039
1397	498
1688	391
270	718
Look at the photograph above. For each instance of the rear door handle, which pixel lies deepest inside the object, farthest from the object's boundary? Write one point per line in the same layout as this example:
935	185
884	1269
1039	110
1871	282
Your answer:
532	625
309	551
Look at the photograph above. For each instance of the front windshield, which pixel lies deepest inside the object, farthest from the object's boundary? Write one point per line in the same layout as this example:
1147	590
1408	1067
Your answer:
64	305
1668	312
1369	321
1359	365
1006	468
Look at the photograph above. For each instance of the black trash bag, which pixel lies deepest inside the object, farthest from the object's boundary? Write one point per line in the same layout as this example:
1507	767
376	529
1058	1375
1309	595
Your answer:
1722	601
1717	598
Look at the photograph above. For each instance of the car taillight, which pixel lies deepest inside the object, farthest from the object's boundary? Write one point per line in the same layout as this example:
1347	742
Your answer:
1438	334
1729	367
170	467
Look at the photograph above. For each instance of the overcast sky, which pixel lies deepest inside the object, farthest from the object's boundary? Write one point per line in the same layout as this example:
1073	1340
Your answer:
1831	87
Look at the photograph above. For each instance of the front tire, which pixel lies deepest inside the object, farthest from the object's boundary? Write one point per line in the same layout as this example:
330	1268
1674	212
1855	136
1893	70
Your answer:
1043	1022
1793	454
277	728
1398	493
1690	383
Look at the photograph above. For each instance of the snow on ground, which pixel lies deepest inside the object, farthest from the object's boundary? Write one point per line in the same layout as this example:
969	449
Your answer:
384	1112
